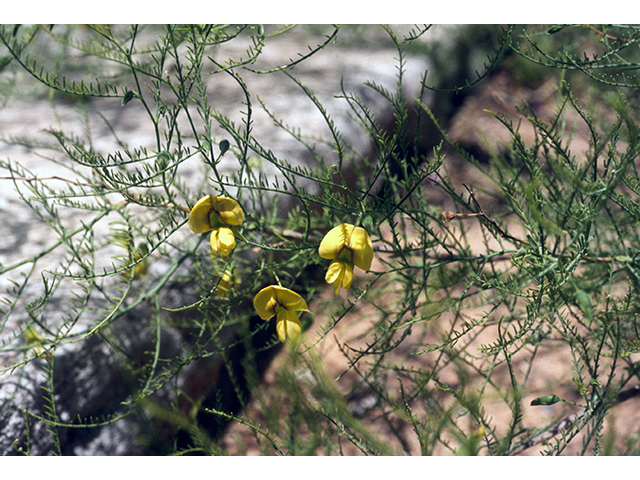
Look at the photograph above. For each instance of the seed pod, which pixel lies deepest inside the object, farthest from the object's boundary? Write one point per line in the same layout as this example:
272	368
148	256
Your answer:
546	400
224	146
128	96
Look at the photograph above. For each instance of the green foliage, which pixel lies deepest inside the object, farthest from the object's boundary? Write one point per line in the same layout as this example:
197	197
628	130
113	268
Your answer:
484	266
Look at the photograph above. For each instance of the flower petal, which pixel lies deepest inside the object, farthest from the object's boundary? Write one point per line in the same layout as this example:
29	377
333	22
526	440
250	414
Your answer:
360	244
335	275
288	325
347	277
335	271
226	284
334	240
275	299
265	303
289	299
226	239
229	210
199	215
222	241
213	212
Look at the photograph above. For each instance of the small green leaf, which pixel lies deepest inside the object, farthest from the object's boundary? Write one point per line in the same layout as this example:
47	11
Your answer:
546	400
584	302
367	222
143	249
162	160
555	29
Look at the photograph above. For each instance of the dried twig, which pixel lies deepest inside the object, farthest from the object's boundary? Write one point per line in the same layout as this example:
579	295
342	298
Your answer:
609	37
448	216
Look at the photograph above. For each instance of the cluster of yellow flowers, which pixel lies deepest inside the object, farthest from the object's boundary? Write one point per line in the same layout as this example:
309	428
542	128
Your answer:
345	245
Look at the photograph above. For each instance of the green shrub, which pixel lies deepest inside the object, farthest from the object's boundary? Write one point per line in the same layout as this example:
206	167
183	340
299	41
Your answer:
498	314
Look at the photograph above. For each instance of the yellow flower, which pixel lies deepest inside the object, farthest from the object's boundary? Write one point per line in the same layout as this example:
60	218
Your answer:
36	341
226	284
347	246
217	214
280	301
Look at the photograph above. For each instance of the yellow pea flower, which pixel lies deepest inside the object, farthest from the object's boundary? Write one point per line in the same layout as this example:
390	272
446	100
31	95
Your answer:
140	270
347	246
280	301
36	341
226	284
217	214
